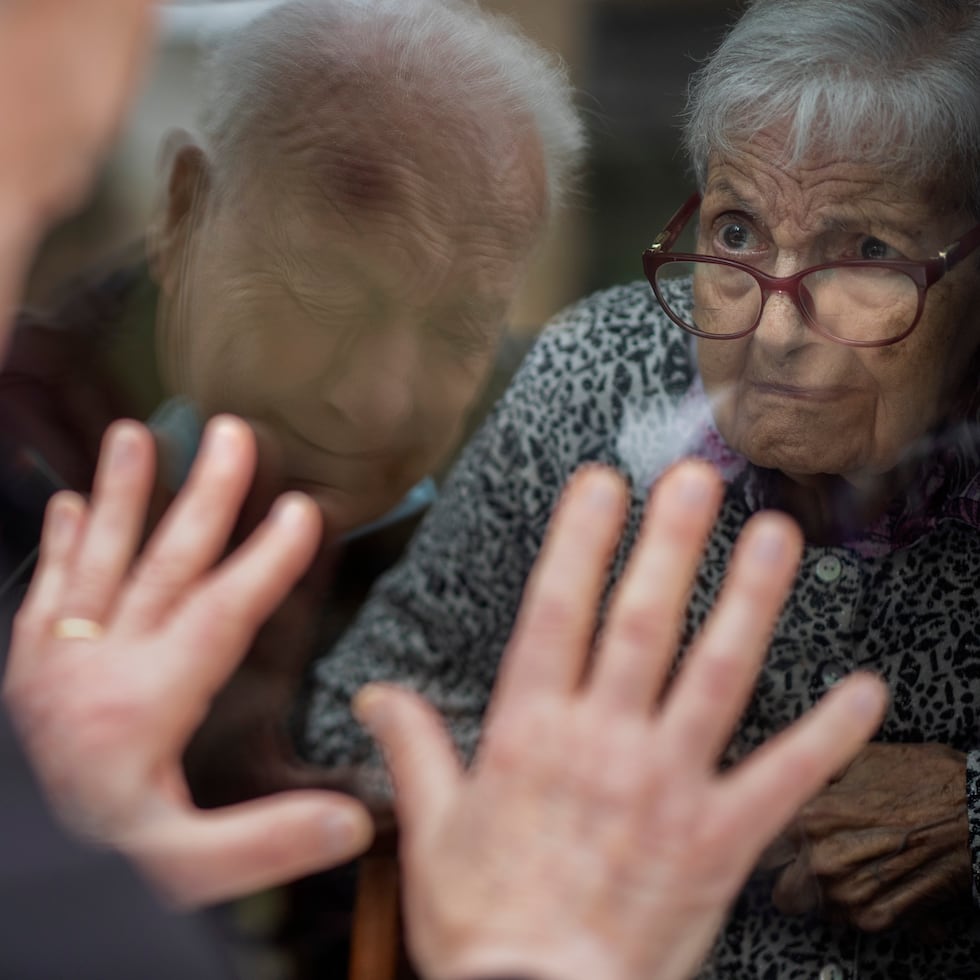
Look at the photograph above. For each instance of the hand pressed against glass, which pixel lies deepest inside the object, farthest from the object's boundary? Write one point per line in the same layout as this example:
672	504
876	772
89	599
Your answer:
593	836
791	399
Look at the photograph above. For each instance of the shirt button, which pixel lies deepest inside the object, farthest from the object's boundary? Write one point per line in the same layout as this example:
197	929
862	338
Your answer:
828	571
831	674
831	972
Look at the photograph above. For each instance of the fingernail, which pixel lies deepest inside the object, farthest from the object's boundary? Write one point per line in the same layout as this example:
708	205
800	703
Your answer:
603	489
221	437
123	443
348	829
695	485
867	700
768	544
365	702
63	518
291	509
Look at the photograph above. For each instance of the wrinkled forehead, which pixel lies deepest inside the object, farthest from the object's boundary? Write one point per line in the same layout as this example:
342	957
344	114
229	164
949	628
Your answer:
380	224
882	160
373	157
822	186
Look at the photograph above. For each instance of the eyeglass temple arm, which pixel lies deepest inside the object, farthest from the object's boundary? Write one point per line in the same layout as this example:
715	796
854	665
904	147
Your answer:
953	254
670	234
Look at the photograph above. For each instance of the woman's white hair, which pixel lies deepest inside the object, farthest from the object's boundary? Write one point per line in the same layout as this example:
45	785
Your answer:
441	52
891	82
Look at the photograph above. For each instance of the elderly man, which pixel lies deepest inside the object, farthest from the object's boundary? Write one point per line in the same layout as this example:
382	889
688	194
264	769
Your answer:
334	260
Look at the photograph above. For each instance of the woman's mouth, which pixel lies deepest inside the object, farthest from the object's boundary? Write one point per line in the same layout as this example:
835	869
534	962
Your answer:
812	393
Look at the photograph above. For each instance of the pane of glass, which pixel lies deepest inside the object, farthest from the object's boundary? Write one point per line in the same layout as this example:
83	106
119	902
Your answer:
726	300
861	304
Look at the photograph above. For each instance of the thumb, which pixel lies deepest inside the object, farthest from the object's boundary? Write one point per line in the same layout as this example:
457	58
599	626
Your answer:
216	855
421	757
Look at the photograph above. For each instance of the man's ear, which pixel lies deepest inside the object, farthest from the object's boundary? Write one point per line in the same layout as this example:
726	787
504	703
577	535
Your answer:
187	185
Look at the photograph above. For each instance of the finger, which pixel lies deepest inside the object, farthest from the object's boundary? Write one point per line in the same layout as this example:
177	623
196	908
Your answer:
719	672
940	882
797	891
64	523
845	808
194	531
842	853
764	792
853	890
646	616
557	617
422	760
222	854
860	866
216	624
117	512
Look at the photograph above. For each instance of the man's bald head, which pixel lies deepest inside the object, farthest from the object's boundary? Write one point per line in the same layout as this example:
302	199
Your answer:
351	92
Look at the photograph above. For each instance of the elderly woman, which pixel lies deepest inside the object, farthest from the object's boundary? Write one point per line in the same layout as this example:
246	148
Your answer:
818	340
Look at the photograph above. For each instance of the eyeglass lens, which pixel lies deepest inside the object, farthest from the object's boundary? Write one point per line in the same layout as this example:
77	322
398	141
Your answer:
853	304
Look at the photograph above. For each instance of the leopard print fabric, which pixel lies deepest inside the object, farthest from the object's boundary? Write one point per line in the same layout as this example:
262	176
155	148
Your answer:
613	381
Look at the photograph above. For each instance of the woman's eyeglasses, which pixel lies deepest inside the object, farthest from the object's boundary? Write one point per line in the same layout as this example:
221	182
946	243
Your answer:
858	302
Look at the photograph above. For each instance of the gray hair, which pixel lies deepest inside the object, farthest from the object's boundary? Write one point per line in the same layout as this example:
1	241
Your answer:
446	50
893	82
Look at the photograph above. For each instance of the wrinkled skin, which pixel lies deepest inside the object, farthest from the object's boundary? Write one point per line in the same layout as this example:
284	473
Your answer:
886	843
792	400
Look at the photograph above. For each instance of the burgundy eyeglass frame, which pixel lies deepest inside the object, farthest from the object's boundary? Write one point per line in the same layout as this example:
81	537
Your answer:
924	274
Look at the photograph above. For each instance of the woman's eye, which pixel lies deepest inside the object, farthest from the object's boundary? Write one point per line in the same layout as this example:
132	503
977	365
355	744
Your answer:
736	237
874	248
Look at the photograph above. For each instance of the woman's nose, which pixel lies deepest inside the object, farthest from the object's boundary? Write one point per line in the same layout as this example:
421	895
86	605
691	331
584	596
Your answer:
782	327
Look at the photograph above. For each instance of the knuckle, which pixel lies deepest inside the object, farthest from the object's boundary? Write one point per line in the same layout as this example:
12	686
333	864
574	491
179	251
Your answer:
159	573
641	626
97	579
525	742
822	863
552	612
222	603
720	673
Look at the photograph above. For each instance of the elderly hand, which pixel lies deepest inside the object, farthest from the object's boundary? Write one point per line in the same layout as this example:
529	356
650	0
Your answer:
886	842
113	666
593	836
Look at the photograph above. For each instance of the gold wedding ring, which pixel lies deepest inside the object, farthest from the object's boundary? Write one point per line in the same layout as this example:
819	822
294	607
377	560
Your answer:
77	628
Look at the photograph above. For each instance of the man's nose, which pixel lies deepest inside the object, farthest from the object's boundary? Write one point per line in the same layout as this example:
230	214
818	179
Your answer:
373	384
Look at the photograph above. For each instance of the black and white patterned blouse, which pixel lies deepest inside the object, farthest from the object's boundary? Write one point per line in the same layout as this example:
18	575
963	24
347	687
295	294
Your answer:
613	381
